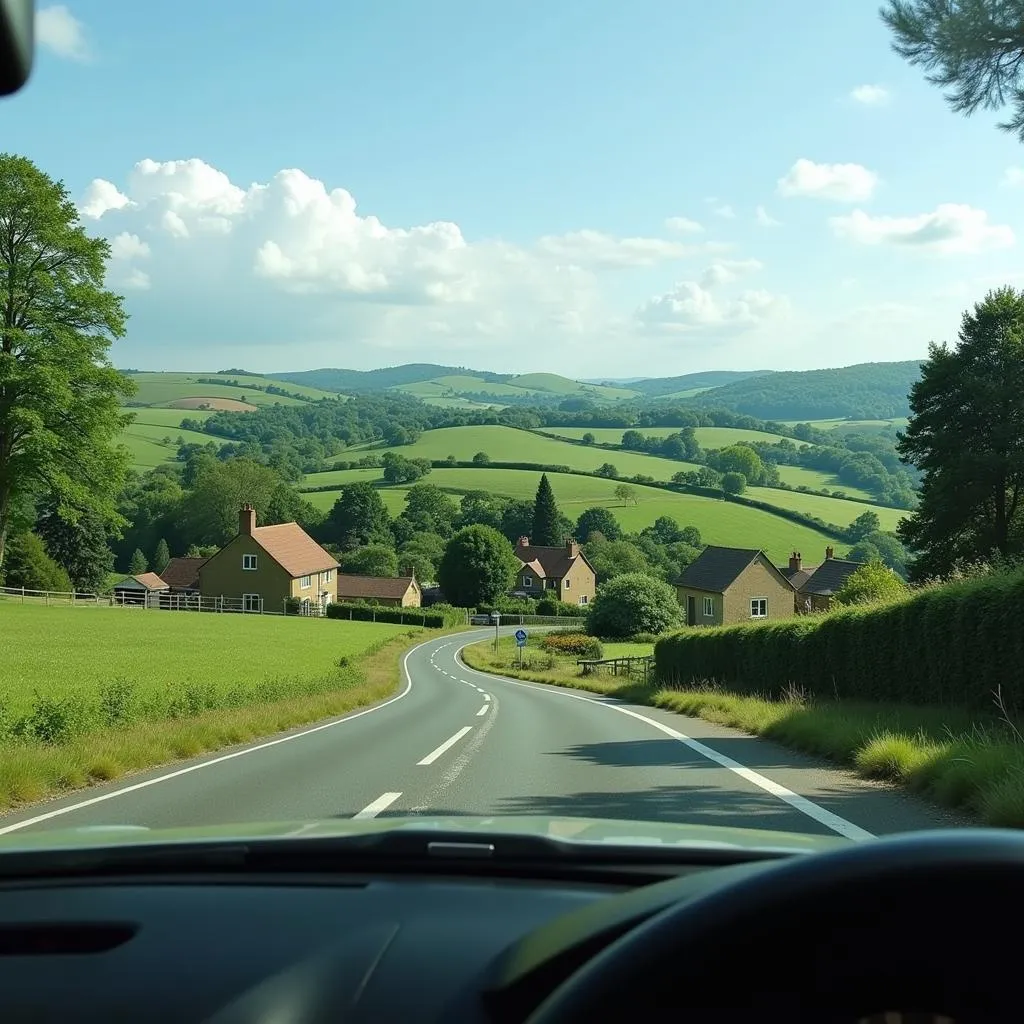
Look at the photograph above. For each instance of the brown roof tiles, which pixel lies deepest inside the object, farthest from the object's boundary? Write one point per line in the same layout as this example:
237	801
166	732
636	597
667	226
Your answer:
182	573
293	549
367	587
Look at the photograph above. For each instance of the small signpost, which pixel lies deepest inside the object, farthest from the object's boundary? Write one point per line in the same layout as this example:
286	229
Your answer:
520	643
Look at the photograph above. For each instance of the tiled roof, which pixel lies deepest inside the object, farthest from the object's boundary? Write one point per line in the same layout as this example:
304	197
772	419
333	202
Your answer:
293	549
182	573
548	562
830	576
798	577
149	580
716	569
373	586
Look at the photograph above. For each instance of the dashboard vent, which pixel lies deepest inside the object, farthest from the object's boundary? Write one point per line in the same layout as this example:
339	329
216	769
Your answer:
62	939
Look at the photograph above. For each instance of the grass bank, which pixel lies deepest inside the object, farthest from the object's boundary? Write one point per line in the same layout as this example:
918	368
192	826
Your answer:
970	762
91	694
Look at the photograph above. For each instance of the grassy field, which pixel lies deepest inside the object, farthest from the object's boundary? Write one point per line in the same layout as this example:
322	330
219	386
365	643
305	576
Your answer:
831	510
719	522
84	698
507	444
146	436
161	389
867	426
954	758
707	437
527	384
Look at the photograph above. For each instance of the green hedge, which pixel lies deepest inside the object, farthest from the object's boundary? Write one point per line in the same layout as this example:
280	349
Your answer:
399	616
578	645
953	645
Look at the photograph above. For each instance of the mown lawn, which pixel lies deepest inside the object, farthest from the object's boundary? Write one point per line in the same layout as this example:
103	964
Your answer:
719	522
832	510
145	438
87	694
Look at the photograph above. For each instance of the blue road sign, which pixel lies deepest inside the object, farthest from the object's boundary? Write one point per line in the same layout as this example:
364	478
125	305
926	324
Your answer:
520	637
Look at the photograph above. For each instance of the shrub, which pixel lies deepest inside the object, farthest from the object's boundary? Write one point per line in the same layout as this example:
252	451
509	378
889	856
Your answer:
428	617
953	645
578	645
292	605
632	603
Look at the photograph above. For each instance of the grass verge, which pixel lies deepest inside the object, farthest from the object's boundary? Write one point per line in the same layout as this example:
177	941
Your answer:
970	763
32	769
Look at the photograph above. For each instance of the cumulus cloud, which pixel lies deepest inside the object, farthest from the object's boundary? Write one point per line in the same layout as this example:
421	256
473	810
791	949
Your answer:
765	219
60	32
847	183
948	229
720	209
694	305
870	95
684	225
596	249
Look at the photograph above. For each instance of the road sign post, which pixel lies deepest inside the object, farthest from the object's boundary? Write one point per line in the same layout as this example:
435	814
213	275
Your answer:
496	619
520	643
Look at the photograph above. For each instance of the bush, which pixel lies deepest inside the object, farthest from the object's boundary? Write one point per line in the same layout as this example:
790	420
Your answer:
430	618
578	645
954	646
552	607
292	605
633	603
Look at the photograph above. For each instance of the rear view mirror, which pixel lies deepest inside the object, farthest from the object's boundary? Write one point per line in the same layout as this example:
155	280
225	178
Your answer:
17	43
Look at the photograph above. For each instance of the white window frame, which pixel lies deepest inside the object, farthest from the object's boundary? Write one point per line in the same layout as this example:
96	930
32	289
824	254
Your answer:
305	582
527	582
249	562
756	602
709	607
584	600
565	583
246	602
327	576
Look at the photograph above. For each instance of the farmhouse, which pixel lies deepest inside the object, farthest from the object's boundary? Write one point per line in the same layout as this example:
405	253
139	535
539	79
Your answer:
562	573
725	586
136	589
399	592
816	584
263	565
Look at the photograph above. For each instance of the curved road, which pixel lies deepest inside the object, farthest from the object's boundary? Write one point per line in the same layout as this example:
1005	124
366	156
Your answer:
457	741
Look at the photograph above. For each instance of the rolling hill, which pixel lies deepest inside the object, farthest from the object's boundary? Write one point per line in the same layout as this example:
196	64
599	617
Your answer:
237	392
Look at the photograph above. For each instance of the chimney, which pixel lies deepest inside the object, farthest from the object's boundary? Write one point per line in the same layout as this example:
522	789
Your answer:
523	542
794	562
247	519
830	552
572	549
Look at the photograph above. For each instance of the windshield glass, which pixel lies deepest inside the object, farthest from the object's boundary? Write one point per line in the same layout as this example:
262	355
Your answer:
513	415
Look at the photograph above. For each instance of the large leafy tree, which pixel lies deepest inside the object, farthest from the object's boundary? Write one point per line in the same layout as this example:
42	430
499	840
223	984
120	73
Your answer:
372	560
630	604
966	435
80	547
358	518
546	527
478	568
59	396
598	520
972	48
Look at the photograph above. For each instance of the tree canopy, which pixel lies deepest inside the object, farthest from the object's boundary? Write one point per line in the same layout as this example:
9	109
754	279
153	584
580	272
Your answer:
478	568
59	396
546	526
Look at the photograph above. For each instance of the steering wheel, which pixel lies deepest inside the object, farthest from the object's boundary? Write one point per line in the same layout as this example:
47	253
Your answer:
915	923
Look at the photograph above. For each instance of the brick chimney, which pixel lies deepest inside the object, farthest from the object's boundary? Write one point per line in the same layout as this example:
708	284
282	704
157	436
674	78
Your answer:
246	519
794	561
830	552
572	549
523	542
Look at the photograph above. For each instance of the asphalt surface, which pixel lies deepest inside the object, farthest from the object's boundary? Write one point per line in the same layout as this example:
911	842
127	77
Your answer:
457	741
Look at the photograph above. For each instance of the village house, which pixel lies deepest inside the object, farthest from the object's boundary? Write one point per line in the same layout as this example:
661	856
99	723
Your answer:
815	585
263	565
561	573
396	591
725	586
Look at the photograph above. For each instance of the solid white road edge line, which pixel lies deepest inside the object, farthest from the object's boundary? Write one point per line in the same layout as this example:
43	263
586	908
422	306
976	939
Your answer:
218	760
795	800
382	803
450	742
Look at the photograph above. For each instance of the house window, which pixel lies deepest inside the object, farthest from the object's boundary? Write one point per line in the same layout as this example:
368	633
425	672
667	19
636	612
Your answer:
552	584
248	562
251	602
327	576
527	581
565	583
759	607
306	582
583	599
709	607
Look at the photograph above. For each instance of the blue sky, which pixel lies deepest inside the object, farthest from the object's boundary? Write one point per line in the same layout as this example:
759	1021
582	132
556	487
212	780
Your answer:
578	186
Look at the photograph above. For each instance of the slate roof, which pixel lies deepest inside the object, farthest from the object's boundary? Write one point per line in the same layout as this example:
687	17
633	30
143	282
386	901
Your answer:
373	586
716	569
293	549
798	577
182	573
549	562
829	576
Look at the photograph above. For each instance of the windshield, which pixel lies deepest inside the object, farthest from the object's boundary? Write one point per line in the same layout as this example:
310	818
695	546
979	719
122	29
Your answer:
527	416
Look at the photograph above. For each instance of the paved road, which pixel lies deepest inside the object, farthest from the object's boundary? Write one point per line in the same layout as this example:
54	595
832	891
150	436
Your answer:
458	741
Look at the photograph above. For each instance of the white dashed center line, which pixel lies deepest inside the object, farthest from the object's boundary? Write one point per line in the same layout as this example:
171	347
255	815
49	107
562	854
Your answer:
483	710
450	742
382	803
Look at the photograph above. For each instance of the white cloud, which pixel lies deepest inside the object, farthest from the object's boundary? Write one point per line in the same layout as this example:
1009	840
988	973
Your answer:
596	249
765	219
848	183
126	247
683	225
950	228
1013	177
724	271
720	209
870	95
59	31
